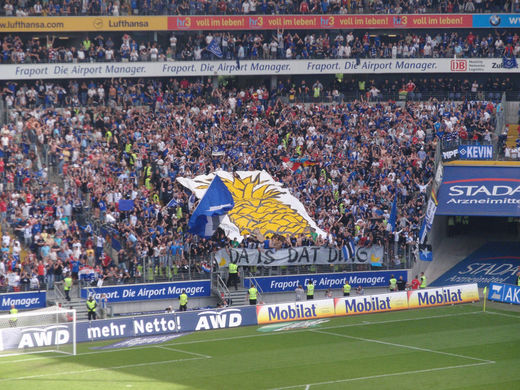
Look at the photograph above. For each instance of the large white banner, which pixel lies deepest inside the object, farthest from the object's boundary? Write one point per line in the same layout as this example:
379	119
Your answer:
263	207
258	68
297	256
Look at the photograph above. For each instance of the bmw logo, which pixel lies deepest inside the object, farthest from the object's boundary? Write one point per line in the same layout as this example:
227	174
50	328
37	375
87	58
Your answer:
494	20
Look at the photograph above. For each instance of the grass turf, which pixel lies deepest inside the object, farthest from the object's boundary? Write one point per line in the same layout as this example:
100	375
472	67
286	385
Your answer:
454	347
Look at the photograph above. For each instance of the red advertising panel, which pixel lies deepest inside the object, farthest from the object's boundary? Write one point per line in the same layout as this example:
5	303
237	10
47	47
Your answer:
312	22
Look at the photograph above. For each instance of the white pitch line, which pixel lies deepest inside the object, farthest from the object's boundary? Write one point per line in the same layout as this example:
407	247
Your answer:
381	376
187	352
63	373
503	314
307	387
365	323
402	346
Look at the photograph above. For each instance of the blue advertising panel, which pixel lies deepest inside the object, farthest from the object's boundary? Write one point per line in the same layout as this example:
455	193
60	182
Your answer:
507	293
168	323
161	324
268	284
496	20
139	292
495	262
476	152
484	191
23	300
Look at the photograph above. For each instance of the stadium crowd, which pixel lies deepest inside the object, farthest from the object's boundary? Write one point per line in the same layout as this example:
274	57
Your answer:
262	45
64	172
164	92
22	8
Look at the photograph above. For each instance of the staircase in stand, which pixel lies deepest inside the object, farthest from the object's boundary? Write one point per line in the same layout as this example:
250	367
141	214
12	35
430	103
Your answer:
238	297
79	304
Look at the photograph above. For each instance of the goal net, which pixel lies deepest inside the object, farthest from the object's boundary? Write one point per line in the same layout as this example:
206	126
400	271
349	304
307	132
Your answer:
52	329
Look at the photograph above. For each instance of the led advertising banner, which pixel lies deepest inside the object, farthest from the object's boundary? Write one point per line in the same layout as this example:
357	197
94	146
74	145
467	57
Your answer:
251	68
315	22
496	20
57	24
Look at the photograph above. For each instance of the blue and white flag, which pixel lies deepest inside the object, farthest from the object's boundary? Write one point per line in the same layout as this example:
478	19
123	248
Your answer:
191	202
214	48
425	252
393	215
423	232
172	203
214	205
509	62
349	250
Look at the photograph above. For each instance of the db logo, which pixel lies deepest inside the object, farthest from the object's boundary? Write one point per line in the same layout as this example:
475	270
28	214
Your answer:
459	65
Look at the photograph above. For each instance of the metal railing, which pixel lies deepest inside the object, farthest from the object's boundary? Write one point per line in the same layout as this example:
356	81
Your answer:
221	288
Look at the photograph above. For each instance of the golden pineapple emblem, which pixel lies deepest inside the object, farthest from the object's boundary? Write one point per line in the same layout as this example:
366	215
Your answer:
259	209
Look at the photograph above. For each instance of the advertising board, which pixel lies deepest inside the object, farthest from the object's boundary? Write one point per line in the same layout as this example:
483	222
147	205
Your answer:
507	293
57	24
43	336
23	300
371	303
304	310
475	152
430	297
250	68
139	292
316	22
268	284
484	191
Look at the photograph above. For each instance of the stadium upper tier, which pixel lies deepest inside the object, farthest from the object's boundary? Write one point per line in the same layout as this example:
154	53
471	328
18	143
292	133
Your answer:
237	7
266	45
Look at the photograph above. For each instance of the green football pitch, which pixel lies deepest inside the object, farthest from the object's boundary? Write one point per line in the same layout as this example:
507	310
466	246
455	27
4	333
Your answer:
454	347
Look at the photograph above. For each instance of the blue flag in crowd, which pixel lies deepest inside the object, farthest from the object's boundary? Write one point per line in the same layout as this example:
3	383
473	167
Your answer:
425	252
393	214
126	205
509	62
214	205
172	203
214	48
349	250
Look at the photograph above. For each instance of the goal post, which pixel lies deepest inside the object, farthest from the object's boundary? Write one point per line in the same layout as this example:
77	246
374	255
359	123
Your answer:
51	329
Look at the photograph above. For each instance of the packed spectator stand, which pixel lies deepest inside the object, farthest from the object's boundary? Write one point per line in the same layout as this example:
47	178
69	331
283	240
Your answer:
101	155
22	8
267	45
73	149
146	92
